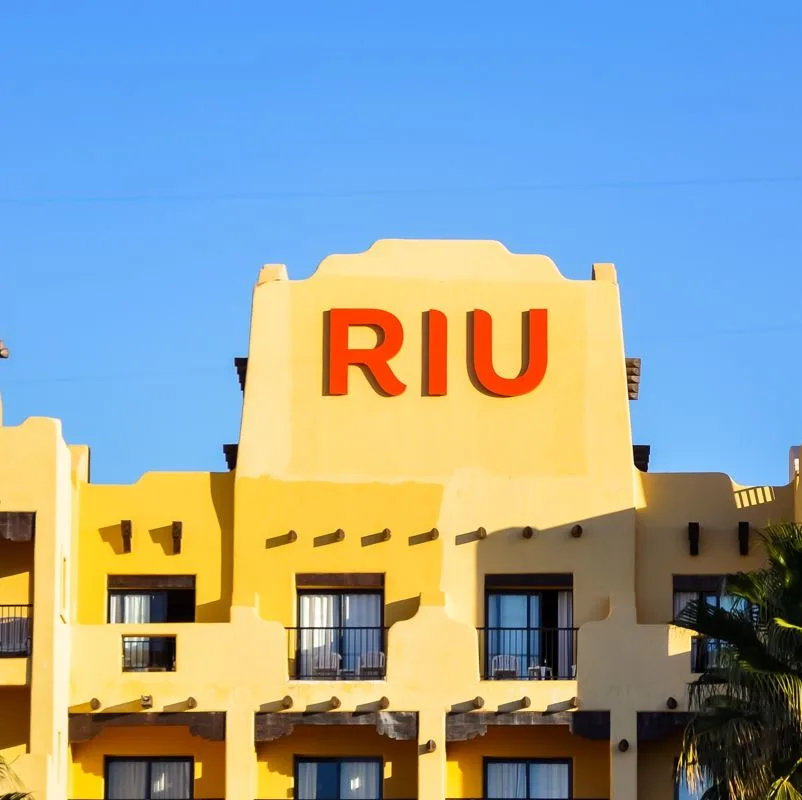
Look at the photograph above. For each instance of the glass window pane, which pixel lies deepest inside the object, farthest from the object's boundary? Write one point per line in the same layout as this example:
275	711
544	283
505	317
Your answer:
507	610
171	780
509	641
547	781
318	640
137	607
362	635
360	780
318	780
127	780
506	780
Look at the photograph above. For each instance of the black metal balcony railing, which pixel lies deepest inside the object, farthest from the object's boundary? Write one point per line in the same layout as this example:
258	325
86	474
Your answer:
350	654
148	653
705	653
528	653
16	629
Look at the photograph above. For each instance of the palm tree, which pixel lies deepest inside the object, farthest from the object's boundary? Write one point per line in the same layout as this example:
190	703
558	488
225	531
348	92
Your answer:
9	780
744	740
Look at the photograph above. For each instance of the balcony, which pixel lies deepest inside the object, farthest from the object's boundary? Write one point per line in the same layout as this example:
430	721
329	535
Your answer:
149	653
16	623
528	653
705	654
331	654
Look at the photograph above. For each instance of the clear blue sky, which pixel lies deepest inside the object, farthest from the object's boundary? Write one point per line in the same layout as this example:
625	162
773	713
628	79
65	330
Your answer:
154	154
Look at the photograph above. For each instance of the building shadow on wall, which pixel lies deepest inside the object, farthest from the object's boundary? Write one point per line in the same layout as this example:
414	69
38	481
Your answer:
221	486
112	535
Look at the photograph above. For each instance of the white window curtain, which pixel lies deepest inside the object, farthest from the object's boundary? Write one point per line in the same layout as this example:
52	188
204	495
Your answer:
506	780
362	634
127	780
307	781
137	608
549	781
565	635
360	780
318	646
681	599
171	780
513	632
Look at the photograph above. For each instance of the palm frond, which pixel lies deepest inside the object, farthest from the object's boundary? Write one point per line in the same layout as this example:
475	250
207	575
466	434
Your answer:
745	737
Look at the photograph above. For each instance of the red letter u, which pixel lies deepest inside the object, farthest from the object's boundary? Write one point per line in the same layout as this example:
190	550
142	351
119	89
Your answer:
534	354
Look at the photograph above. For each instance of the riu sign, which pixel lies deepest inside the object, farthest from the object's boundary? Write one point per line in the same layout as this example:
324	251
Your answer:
375	361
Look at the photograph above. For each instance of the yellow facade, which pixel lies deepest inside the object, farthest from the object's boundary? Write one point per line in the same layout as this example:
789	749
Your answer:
437	503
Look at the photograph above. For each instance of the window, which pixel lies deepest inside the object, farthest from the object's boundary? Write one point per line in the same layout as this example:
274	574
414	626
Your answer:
338	779
530	631
530	779
340	634
149	653
708	589
149	778
151	598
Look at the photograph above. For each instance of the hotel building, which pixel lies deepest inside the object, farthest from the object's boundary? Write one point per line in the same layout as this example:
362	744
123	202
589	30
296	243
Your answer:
437	566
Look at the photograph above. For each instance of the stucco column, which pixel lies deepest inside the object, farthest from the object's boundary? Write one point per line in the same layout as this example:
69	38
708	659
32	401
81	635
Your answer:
432	765
240	748
623	765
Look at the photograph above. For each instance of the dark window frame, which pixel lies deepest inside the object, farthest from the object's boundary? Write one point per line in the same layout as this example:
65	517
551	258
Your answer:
535	580
151	582
528	761
298	760
108	760
340	580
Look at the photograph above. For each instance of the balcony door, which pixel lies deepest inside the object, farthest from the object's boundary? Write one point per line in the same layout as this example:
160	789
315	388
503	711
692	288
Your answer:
530	779
339	632
338	779
528	630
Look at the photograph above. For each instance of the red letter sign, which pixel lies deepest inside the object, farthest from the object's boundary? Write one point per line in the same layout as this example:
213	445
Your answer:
436	337
535	354
374	361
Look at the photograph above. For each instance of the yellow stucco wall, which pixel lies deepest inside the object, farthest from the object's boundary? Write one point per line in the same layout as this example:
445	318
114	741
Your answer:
203	502
277	759
15	714
87	778
313	463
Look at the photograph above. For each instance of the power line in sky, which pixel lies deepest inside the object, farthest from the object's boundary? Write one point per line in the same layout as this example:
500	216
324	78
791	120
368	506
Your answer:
396	191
